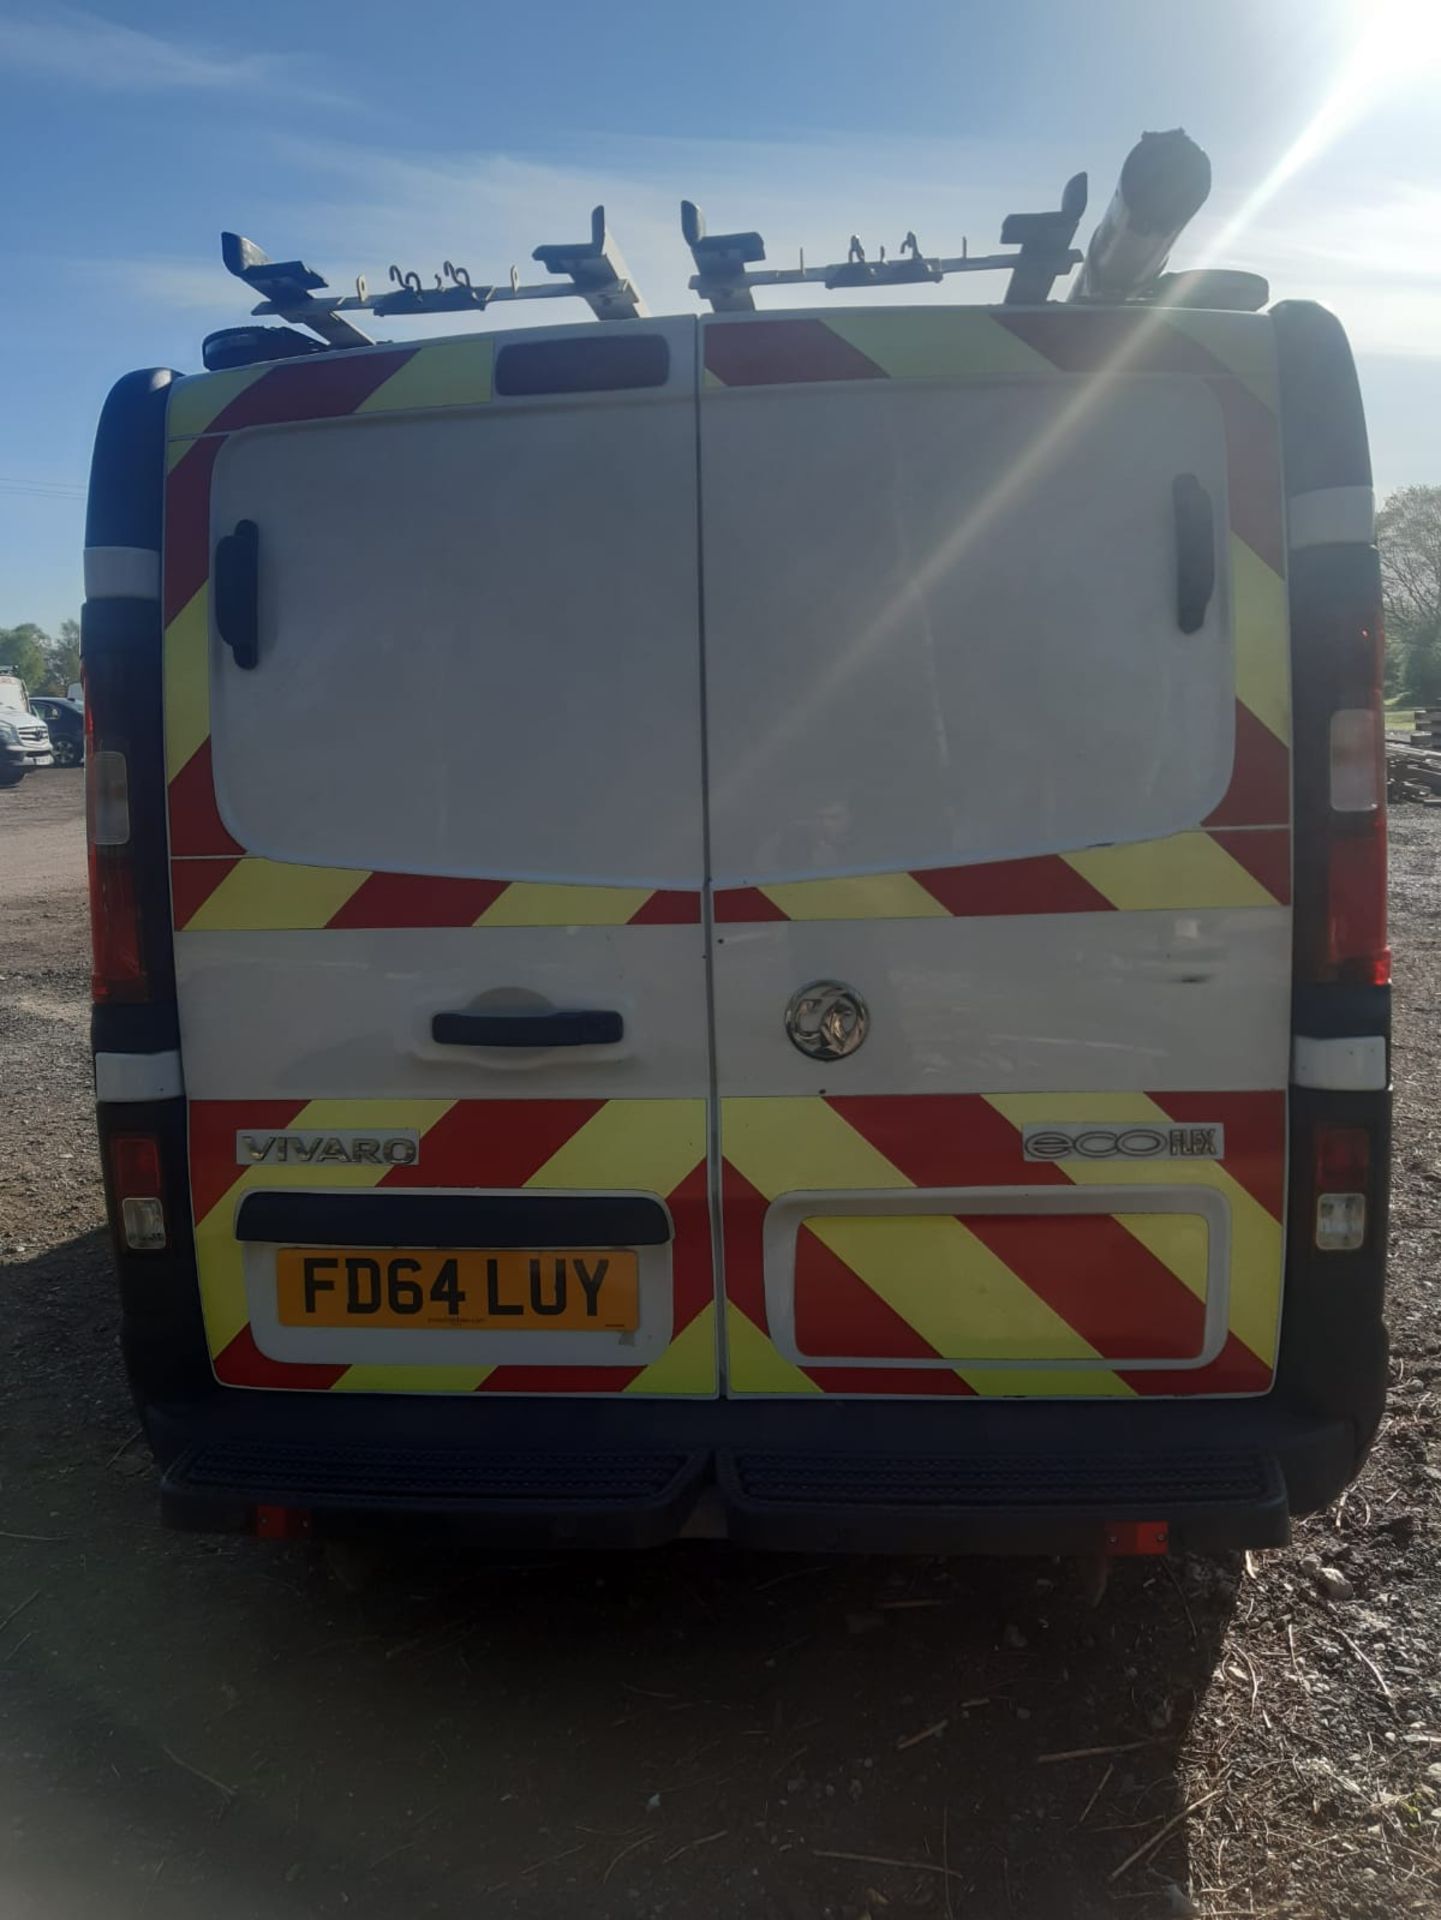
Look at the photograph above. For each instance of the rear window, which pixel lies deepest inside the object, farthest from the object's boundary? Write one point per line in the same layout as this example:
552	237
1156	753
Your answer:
941	622
478	648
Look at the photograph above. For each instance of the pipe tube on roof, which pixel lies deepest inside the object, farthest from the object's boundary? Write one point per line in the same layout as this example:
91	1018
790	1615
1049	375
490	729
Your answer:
1164	183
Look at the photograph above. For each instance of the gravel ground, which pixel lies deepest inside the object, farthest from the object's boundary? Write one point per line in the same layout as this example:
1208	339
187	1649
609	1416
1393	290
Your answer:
191	1724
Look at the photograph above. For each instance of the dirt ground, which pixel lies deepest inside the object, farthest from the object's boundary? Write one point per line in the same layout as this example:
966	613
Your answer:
194	1725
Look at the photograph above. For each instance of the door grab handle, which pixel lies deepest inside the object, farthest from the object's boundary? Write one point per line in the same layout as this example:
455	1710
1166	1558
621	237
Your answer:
593	1028
1195	551
237	593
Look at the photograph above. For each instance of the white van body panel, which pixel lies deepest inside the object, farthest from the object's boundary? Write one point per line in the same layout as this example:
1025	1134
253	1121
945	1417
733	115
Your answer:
337	1014
1153	1000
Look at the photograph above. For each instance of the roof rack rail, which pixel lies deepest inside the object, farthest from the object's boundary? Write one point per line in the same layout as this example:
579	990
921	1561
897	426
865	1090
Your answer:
726	278
1163	184
288	287
293	291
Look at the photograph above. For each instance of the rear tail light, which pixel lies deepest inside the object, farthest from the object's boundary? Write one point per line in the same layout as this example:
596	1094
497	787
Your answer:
282	1523
1344	810
117	948
1356	865
1358	760
137	1187
109	799
1356	946
1343	1179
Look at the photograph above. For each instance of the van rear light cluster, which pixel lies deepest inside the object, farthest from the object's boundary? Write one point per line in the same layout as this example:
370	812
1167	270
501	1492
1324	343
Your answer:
118	971
1356	906
1343	1180
1356	891
1341	792
1358	760
1356	876
137	1188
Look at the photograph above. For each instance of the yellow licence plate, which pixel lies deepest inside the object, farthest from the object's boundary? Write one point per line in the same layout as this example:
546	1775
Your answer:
576	1290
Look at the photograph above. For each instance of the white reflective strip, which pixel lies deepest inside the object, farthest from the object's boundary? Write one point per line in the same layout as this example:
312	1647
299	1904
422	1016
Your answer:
122	573
1333	516
138	1076
1340	1066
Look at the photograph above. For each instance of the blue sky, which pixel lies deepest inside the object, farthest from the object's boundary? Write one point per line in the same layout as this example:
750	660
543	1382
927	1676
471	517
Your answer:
360	134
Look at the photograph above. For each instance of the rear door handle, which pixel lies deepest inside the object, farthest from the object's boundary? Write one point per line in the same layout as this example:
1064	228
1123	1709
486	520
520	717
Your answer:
593	1028
237	593
1195	551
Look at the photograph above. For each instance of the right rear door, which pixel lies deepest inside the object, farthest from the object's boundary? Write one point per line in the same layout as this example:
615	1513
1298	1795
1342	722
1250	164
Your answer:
967	770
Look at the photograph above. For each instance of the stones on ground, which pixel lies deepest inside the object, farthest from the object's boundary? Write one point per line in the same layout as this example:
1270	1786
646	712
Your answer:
1332	1584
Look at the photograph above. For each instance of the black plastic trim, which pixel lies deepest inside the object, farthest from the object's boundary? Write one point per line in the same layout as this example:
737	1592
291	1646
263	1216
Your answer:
120	644
1311	1457
1341	1011
1015	1502
584	1027
1333	1356
561	1498
126	500
162	1331
453	1220
1323	424
617	363
153	1027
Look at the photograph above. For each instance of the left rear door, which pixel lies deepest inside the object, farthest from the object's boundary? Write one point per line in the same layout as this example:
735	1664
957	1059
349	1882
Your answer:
462	778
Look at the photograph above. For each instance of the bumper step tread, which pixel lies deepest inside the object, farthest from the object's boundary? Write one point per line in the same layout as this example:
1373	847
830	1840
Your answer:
1209	1499
1010	1480
411	1478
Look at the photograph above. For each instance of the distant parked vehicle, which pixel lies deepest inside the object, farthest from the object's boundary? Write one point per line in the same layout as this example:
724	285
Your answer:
66	720
24	737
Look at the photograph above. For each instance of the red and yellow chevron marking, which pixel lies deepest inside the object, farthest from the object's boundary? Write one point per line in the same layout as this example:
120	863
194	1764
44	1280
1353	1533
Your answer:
1023	1287
216	886
655	1146
229	894
1241	855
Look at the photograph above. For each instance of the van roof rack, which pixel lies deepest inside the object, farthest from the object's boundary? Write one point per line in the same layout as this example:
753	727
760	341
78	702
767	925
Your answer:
725	275
289	289
1164	182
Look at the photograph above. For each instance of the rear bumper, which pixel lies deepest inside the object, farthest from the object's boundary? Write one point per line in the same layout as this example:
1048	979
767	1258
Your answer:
901	1479
819	1474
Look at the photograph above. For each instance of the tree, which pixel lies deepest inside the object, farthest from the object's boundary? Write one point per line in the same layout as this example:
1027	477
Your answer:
46	665
23	648
1408	532
62	658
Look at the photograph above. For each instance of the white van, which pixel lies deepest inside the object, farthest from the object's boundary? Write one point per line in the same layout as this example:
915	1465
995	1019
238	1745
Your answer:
24	737
860	1017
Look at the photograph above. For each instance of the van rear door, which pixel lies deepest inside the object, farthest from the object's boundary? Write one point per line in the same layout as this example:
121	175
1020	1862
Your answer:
433	740
997	702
